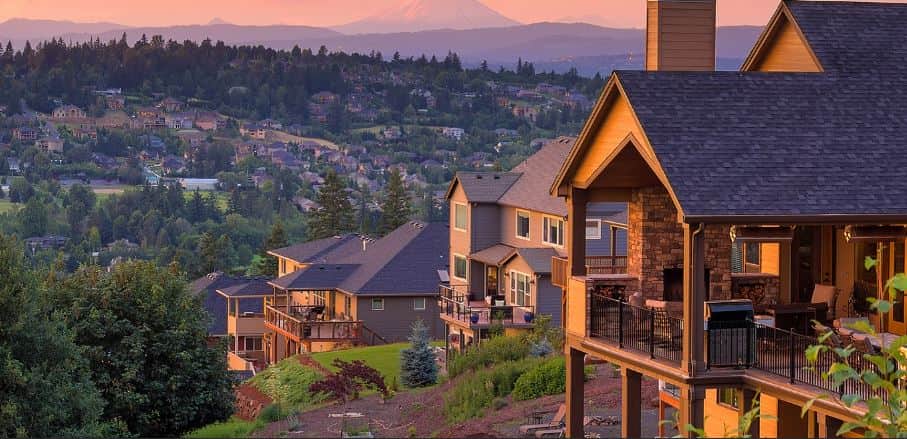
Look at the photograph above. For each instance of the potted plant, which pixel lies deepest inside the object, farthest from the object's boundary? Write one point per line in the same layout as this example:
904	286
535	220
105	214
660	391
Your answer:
528	316
474	318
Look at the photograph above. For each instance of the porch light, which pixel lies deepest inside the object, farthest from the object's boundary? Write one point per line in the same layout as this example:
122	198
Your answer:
761	234
874	233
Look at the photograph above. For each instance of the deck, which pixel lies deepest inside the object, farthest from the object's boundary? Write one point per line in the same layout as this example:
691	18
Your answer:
456	307
298	327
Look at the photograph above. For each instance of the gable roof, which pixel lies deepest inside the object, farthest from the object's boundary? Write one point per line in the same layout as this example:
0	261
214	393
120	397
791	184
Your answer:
215	304
258	287
851	36
776	144
317	251
405	262
539	259
526	186
494	255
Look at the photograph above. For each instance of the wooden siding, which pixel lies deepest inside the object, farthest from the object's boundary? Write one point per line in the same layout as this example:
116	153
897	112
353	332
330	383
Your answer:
722	420
576	307
459	239
683	33
394	322
618	122
784	50
484	226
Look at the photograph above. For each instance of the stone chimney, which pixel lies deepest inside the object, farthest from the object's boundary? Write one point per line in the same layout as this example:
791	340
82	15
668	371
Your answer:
680	35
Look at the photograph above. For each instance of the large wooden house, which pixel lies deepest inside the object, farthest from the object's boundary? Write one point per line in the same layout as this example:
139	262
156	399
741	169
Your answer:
769	184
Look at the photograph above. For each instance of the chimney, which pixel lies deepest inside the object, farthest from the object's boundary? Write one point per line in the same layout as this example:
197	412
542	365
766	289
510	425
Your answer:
680	35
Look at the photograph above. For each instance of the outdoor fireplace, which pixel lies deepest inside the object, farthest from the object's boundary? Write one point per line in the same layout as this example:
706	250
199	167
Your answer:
673	284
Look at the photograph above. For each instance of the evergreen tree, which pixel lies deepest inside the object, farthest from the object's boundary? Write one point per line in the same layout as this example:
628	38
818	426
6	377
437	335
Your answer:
365	215
196	207
210	253
417	363
267	264
396	208
334	215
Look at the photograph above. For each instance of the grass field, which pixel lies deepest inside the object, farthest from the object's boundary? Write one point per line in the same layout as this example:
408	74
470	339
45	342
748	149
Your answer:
233	427
221	197
7	206
384	358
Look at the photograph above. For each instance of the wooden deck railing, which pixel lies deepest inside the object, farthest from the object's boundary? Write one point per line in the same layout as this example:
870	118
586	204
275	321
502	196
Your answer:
455	305
312	330
594	265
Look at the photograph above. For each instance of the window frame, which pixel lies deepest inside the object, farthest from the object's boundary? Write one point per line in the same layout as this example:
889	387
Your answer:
377	299
546	229
516	296
454	275
528	216
599	228
424	304
253	339
465	217
721	394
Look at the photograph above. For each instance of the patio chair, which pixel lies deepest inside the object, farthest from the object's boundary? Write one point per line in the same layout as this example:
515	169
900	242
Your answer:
864	345
823	301
555	422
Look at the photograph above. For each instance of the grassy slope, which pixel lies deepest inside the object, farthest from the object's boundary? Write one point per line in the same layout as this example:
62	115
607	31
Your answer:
232	428
384	358
7	206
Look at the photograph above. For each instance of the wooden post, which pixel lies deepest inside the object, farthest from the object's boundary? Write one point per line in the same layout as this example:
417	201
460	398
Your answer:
784	267
827	426
574	397
747	397
630	403
576	232
692	411
694	294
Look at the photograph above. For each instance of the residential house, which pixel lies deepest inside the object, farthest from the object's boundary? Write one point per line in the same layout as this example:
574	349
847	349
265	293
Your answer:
69	112
349	289
50	144
179	121
253	130
753	199
173	165
191	137
115	102
49	242
505	230
325	98
171	105
13	164
25	134
453	133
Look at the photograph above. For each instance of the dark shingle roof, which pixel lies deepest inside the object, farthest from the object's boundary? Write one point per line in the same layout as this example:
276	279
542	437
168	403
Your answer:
254	287
216	305
315	277
777	143
318	250
855	36
538	171
405	262
485	187
494	255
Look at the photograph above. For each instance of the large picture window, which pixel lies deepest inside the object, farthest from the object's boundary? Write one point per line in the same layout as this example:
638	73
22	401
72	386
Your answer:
522	224
553	232
460	267
520	293
460	216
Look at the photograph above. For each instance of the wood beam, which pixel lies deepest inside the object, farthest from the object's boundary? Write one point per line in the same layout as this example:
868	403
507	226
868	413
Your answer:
694	294
748	398
574	397
692	409
630	403
576	231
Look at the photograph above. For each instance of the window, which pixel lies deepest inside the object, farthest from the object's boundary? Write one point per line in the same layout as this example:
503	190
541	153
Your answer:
519	289
377	304
419	304
553	232
460	267
522	224
752	253
728	396
460	216
252	344
593	229
348	305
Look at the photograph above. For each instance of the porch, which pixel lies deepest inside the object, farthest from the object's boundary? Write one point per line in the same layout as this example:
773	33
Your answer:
459	308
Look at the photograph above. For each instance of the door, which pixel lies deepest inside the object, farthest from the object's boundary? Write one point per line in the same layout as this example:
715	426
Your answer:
806	258
491	280
893	259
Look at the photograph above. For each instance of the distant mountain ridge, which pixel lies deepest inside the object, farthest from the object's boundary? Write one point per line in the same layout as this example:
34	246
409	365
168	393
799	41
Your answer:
420	15
556	46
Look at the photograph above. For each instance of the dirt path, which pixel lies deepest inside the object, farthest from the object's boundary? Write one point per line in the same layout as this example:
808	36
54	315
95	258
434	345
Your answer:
420	413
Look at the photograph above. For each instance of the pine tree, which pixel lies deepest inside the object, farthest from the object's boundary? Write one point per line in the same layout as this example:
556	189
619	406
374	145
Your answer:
395	207
209	252
334	215
365	215
267	264
417	363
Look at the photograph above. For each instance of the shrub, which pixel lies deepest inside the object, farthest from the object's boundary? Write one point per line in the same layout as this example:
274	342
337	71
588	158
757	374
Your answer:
270	413
287	382
350	379
473	394
232	428
493	351
498	403
546	378
541	348
417	363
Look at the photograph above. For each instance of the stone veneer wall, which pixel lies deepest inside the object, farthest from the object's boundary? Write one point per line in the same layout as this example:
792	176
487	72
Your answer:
655	242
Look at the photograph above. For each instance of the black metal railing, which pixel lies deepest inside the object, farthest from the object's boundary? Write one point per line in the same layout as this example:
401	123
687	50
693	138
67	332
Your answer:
646	330
731	344
455	304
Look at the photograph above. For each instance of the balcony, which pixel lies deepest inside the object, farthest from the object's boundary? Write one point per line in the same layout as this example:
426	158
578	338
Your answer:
644	330
300	323
595	265
456	307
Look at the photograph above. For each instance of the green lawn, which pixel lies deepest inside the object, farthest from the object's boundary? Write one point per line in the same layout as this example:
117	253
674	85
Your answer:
234	427
384	358
7	206
221	197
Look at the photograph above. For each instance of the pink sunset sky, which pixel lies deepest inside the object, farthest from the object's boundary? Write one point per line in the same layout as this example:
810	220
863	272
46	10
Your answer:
617	13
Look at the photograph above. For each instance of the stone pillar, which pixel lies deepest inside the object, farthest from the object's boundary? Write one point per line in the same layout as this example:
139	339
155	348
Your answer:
692	411
574	397
630	403
747	399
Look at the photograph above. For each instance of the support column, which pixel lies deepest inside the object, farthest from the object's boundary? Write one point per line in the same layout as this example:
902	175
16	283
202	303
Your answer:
694	294
576	232
812	426
827	426
630	403
692	411
574	397
747	397
785	295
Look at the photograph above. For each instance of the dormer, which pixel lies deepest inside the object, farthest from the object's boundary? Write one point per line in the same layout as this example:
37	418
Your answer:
782	47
